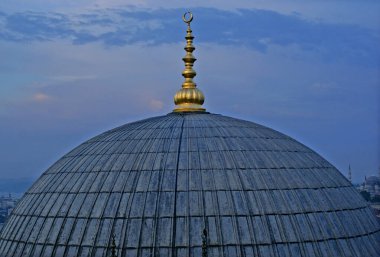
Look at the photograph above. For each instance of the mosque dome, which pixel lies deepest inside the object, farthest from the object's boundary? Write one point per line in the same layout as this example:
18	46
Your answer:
149	188
372	181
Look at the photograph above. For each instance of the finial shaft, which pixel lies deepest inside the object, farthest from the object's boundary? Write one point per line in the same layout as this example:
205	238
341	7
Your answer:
189	98
349	173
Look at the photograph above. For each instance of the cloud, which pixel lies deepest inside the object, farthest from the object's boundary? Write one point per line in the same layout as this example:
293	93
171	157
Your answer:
41	97
70	78
364	13
97	69
156	105
256	29
324	87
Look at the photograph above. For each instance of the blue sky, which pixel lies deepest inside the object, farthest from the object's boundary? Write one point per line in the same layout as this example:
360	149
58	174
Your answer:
71	70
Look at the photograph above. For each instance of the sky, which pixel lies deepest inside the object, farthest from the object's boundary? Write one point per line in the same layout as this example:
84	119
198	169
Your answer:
70	70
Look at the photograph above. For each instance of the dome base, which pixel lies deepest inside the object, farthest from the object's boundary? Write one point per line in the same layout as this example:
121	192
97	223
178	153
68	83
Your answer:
189	107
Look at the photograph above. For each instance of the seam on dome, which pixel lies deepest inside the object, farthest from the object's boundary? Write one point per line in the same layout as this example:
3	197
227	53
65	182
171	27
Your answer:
216	136
174	227
205	169
211	215
230	244
211	151
207	190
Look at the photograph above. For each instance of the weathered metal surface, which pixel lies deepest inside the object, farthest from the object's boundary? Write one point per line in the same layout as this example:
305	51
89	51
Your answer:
157	183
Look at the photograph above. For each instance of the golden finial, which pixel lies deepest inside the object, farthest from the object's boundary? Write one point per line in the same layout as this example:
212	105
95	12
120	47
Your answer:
189	98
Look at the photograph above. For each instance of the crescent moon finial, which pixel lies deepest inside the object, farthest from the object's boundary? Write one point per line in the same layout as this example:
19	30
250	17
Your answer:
189	98
189	19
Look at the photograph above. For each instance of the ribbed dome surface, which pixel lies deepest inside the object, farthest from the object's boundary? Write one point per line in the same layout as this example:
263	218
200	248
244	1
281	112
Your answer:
157	183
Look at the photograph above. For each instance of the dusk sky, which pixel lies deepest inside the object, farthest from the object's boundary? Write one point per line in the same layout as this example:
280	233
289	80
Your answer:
70	70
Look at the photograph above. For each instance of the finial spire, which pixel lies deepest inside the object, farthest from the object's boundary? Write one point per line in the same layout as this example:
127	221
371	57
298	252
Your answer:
349	173
189	98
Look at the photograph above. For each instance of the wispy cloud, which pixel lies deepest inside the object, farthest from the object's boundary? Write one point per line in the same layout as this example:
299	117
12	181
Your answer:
156	105
40	97
75	74
71	78
324	87
257	29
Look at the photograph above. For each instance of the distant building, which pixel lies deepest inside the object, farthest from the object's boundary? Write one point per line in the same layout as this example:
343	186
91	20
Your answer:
371	185
376	208
7	203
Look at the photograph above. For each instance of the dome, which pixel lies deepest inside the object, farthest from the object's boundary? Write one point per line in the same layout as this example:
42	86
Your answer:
372	181
156	183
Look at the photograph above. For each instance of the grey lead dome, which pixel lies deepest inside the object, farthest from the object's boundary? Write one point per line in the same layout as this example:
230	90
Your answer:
155	184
